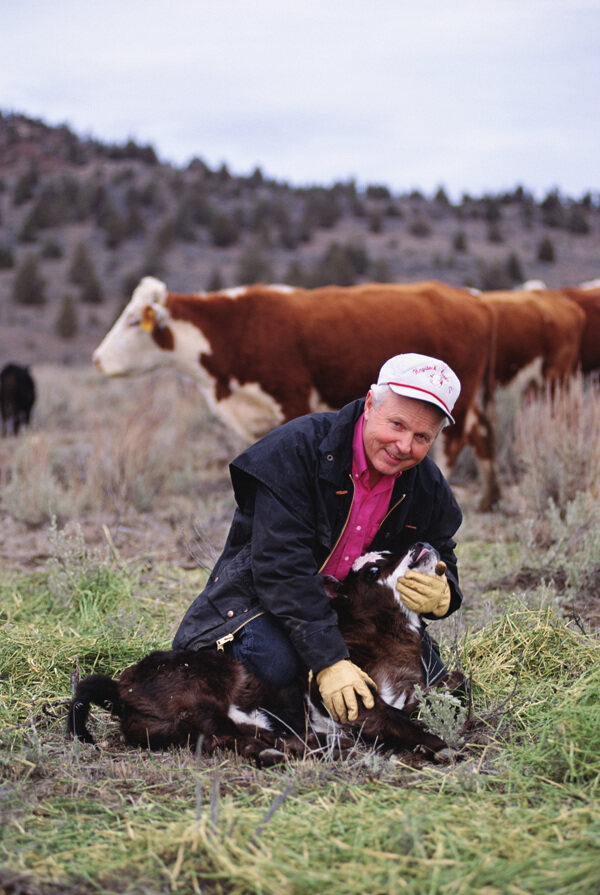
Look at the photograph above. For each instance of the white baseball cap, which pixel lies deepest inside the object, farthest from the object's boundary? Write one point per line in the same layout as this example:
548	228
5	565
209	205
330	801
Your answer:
424	378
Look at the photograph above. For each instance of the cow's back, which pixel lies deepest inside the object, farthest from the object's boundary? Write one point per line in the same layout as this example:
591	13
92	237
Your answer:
315	348
349	334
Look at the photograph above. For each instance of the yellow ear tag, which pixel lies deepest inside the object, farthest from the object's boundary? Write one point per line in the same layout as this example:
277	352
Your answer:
147	323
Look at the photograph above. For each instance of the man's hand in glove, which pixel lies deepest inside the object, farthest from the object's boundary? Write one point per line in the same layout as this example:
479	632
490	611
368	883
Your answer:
339	684
424	593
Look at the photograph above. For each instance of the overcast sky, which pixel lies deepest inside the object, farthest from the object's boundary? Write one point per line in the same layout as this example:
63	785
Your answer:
475	96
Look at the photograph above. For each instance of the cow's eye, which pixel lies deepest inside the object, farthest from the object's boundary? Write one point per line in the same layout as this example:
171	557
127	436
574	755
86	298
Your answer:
371	573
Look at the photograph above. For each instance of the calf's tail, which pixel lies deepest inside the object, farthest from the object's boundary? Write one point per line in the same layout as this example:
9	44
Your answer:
97	689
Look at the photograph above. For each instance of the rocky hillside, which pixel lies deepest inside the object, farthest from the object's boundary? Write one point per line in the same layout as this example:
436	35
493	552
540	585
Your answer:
82	221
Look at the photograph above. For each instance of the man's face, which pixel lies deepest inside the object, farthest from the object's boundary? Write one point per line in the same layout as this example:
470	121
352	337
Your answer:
398	432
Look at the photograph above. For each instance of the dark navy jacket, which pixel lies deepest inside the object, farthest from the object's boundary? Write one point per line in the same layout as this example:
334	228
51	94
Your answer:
294	491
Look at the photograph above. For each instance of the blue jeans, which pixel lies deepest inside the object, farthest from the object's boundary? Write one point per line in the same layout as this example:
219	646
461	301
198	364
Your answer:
264	647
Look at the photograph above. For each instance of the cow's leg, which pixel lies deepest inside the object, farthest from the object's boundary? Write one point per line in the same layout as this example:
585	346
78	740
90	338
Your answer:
394	729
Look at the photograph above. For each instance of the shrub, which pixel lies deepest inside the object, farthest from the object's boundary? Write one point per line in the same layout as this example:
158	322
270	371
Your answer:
24	187
545	250
494	276
59	202
52	249
33	494
577	222
380	270
377	191
67	324
183	222
492	213
494	233
253	267
91	291
441	197
215	281
115	229
342	264
223	231
459	241
28	231
7	260
29	285
294	274
81	268
514	269
71	563
553	213
375	222
419	227
322	208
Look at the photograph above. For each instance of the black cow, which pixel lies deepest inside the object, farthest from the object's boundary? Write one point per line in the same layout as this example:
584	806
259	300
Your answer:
182	697
17	397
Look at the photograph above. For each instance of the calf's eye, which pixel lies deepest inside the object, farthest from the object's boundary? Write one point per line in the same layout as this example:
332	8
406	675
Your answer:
371	572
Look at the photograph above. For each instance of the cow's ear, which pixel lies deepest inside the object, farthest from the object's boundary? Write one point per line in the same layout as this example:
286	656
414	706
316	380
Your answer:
154	316
332	586
148	318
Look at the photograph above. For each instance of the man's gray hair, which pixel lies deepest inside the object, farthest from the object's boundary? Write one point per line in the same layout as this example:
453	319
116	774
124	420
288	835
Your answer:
379	392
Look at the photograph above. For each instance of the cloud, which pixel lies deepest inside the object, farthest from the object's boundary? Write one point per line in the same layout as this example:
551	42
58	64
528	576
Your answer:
488	92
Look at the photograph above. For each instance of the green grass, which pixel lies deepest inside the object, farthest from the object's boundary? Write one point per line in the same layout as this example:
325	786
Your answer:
519	813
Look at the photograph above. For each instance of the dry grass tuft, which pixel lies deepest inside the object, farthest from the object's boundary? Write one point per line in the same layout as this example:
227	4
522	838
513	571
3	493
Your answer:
558	442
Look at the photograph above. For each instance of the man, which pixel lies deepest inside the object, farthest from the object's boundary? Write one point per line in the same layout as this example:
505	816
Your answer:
312	496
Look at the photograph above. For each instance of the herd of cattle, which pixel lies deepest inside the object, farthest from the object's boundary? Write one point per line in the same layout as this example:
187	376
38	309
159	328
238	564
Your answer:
266	354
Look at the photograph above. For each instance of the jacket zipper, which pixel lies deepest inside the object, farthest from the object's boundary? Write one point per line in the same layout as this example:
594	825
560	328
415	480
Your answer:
391	510
229	637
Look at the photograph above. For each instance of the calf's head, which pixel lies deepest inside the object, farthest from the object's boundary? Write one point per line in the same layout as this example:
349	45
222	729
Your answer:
374	575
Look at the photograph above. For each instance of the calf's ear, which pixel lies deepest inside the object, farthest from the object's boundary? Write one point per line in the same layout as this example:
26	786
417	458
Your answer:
333	586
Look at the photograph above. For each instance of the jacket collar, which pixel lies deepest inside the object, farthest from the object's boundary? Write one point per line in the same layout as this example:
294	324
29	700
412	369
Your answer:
335	449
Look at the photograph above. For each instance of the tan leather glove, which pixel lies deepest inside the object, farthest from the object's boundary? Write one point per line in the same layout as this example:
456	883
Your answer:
424	593
338	684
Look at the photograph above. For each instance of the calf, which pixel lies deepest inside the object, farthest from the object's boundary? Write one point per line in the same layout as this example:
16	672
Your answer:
181	697
17	397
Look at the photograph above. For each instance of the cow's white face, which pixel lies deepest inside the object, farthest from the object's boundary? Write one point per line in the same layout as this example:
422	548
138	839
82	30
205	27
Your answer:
145	336
129	347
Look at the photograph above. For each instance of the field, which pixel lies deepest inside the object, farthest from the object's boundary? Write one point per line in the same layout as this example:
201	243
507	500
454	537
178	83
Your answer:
112	509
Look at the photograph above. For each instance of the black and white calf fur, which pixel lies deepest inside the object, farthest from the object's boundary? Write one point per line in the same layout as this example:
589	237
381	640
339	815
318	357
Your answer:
186	697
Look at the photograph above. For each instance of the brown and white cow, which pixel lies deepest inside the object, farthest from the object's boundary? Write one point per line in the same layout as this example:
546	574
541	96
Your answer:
536	330
537	338
266	354
587	297
206	697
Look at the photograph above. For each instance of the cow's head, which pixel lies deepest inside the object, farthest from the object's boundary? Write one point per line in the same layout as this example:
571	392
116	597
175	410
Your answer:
142	338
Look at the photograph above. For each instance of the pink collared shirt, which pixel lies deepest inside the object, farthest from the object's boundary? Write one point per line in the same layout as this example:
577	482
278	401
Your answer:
367	512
